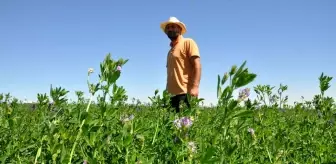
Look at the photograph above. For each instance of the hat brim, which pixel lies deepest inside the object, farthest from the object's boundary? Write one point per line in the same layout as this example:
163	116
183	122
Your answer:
182	25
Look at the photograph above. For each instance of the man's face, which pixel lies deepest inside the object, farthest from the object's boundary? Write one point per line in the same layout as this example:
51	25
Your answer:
173	31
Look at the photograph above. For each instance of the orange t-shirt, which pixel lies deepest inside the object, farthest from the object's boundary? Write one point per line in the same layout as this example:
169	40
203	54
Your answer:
179	66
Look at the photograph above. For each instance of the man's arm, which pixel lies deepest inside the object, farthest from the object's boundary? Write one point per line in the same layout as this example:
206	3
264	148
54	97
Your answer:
195	61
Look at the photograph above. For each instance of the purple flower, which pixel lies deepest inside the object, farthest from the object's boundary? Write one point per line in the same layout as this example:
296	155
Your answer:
85	162
183	122
244	93
186	122
119	68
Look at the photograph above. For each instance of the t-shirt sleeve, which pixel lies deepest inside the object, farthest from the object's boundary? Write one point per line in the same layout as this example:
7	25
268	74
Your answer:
192	48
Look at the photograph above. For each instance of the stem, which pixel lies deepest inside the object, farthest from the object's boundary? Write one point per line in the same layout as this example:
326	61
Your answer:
80	131
280	100
155	133
126	155
331	136
269	155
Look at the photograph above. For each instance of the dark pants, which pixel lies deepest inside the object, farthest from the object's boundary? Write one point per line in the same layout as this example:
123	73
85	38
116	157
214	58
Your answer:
175	101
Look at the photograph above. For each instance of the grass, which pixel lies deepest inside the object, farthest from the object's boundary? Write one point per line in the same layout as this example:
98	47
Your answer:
237	130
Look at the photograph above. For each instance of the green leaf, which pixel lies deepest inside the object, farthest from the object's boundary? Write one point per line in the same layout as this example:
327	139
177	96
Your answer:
84	115
219	92
128	140
38	154
95	128
244	80
226	93
232	149
209	156
114	77
224	79
240	113
232	104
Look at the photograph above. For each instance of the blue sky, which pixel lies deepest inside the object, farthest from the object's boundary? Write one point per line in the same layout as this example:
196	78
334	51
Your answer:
55	42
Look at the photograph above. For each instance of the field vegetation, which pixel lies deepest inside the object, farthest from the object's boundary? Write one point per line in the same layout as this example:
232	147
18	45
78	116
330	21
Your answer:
109	130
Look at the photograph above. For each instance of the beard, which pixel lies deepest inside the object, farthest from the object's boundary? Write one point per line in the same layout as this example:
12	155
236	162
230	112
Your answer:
172	35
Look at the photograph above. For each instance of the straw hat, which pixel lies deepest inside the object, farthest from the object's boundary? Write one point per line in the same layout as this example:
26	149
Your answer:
174	20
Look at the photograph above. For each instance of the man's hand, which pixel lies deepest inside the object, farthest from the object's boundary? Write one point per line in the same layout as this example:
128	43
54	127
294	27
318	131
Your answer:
194	91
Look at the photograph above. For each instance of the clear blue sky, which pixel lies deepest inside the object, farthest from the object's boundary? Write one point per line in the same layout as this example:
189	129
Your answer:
55	42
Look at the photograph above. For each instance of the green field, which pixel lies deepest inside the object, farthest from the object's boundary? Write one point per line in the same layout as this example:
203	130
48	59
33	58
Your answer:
108	130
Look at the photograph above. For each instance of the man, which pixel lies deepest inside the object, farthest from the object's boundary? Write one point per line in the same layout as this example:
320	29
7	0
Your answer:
183	63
